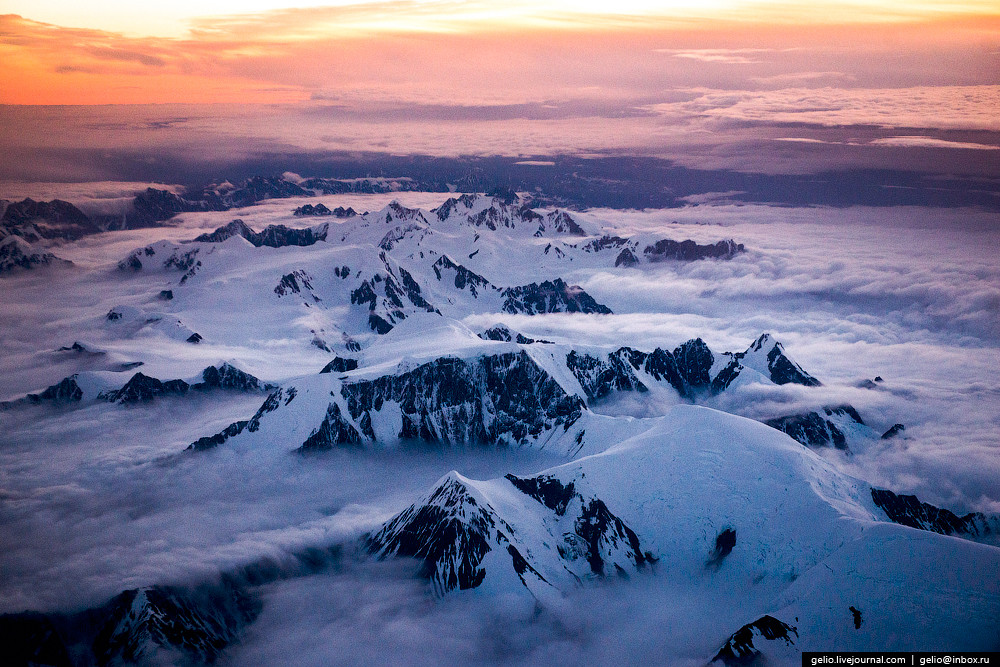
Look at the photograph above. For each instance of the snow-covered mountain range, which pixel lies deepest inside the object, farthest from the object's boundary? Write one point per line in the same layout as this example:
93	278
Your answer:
669	472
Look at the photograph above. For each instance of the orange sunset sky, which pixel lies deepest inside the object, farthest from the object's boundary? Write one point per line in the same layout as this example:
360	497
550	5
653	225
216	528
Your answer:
762	86
59	52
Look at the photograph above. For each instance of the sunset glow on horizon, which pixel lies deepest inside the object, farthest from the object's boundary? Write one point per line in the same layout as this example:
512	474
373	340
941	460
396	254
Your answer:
186	18
702	83
272	51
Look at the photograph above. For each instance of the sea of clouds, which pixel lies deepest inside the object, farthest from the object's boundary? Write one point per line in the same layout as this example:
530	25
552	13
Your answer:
98	498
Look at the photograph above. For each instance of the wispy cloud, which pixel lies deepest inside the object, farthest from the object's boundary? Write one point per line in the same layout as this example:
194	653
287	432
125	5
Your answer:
788	79
725	56
944	107
931	142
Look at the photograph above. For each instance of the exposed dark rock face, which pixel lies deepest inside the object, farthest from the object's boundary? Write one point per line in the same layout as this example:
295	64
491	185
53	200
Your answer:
187	262
503	398
196	624
724	543
56	219
464	278
15	253
551	296
56	212
334	431
153	206
79	348
626	258
687	251
604	243
155	625
260	188
166	294
549	491
604	536
194	338
810	429
602	532
235	228
504	334
279	236
290	283
454	528
503	210
599	377
856	615
496	399
504	215
694	362
384	295
895	430
272	236
561	222
450	534
273	402
142	388
909	511
768	357
65	391
398	213
726	376
59	219
334	186
211	441
740	650
815	430
397	234
686	369
340	365
785	371
227	376
452	204
310	210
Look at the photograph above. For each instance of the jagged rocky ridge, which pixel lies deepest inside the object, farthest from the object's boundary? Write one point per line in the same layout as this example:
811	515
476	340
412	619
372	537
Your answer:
44	220
142	388
503	333
499	399
34	220
392	294
384	296
157	624
321	210
767	357
909	511
550	296
691	368
813	429
739	649
509	399
461	539
272	236
394	281
16	253
654	499
688	251
506	211
503	398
